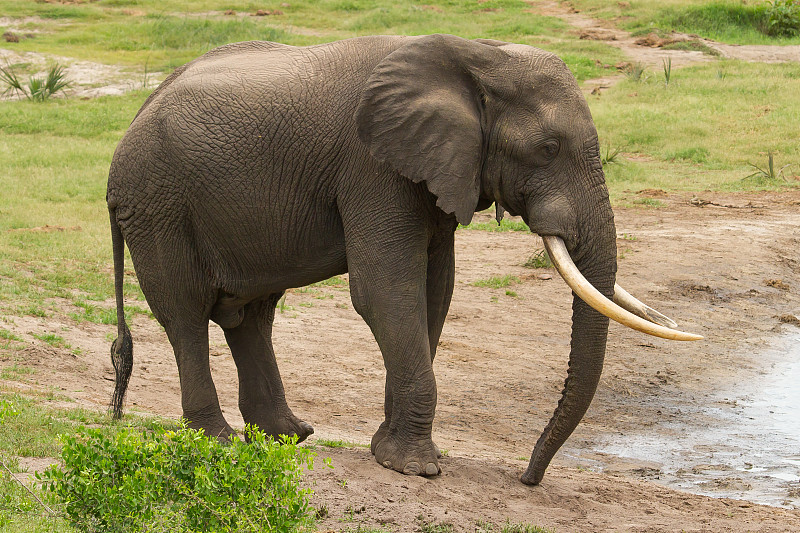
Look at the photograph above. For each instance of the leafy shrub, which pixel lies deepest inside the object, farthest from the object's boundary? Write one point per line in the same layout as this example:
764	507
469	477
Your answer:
7	409
181	481
783	18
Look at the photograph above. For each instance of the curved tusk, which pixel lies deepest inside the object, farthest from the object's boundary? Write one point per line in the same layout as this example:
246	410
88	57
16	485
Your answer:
580	286
624	299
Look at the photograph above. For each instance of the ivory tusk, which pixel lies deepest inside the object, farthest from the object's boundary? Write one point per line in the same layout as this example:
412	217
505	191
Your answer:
558	253
624	299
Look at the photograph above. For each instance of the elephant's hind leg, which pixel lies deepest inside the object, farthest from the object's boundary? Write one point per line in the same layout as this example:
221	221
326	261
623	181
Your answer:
175	287
198	394
261	396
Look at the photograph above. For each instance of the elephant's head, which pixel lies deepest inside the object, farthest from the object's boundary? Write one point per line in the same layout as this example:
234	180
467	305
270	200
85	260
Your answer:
486	121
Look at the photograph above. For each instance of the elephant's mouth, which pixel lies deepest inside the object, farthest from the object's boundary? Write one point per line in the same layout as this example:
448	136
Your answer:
625	309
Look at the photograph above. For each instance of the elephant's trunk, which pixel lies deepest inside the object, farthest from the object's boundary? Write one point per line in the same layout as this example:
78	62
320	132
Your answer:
596	260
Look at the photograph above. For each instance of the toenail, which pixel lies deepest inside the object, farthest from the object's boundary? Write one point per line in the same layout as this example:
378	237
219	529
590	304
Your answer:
412	468
387	464
431	469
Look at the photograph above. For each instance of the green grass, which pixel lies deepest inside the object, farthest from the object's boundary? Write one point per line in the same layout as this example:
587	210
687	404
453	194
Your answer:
692	46
509	527
52	339
705	130
15	372
496	282
335	281
7	335
539	259
728	21
434	527
62	186
33	431
143	32
360	528
505	225
21	513
334	443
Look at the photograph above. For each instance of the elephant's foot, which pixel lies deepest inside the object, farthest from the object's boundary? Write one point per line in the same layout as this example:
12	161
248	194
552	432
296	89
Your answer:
383	431
277	425
416	458
379	435
212	423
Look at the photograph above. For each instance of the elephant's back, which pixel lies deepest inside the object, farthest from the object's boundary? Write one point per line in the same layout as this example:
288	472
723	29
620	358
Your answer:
252	136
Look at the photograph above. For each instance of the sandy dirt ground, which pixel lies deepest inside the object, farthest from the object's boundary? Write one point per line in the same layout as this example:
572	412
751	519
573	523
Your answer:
727	269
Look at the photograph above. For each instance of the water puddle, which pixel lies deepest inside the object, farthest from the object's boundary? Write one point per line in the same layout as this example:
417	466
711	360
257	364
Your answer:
741	443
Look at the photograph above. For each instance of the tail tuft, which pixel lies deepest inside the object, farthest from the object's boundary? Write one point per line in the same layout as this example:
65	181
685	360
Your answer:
122	359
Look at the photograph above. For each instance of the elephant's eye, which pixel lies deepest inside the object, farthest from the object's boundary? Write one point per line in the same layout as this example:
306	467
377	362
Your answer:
550	150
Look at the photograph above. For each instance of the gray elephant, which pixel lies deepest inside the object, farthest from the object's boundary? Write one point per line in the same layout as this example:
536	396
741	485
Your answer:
260	167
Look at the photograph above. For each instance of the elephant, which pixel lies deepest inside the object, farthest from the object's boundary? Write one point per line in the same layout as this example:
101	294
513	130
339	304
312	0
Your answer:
261	167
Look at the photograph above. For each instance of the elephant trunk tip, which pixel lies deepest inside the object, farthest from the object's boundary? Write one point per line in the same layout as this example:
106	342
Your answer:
532	476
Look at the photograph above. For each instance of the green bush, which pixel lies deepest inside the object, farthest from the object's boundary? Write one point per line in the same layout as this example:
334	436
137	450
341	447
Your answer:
783	18
181	481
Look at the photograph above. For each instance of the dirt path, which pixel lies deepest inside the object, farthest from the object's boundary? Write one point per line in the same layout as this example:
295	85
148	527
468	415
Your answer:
648	50
500	369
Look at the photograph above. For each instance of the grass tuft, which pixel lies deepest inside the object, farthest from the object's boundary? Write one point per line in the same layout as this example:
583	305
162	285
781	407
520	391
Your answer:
497	282
636	72
504	225
540	259
767	174
610	155
52	339
37	89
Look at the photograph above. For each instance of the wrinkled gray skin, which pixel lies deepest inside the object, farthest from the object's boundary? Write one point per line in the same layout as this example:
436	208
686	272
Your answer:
260	166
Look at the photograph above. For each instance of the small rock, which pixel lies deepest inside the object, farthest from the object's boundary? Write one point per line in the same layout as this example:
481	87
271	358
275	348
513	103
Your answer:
653	193
598	35
777	284
544	276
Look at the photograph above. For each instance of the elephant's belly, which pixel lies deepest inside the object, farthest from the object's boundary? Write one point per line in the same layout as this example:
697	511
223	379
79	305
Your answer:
252	260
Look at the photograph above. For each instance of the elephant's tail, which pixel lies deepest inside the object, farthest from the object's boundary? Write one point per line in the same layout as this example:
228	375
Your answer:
122	347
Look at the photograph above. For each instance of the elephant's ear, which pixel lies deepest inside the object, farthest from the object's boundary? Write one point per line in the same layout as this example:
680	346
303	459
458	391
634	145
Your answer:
421	112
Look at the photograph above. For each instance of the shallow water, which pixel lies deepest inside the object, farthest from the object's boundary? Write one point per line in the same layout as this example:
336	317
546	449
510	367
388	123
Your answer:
741	443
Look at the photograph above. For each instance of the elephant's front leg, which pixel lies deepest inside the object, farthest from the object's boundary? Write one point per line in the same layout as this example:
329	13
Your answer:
388	288
438	293
262	401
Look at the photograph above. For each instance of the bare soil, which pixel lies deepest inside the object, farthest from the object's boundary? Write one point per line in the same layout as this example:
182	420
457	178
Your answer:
728	273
